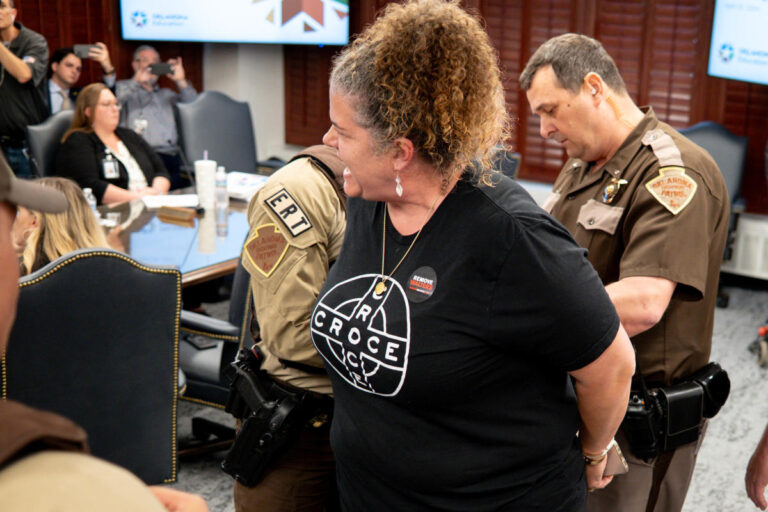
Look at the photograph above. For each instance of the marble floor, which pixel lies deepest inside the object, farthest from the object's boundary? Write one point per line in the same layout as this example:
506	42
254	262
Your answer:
718	483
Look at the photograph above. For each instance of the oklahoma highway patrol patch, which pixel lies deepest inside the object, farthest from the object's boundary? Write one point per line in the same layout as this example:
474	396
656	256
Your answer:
672	188
266	248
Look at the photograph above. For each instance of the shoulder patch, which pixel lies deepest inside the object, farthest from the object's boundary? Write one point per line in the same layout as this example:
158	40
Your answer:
663	147
266	248
672	188
289	212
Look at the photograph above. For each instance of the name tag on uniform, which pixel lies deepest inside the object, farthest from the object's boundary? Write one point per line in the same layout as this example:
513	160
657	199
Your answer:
109	168
289	212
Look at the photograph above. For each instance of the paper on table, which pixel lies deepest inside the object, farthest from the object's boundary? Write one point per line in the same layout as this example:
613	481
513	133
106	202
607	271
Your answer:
243	185
188	200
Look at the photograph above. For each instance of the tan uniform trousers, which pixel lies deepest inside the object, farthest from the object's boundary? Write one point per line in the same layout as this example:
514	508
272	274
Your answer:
656	486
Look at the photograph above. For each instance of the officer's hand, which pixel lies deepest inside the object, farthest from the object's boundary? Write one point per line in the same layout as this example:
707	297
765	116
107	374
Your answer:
177	501
757	478
595	478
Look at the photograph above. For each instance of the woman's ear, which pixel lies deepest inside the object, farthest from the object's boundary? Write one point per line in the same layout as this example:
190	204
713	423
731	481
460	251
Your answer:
404	152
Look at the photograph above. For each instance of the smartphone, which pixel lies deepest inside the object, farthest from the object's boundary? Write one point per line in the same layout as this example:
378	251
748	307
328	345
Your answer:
82	50
160	68
617	464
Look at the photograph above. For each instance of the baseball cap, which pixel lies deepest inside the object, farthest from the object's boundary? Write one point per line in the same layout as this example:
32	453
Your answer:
28	193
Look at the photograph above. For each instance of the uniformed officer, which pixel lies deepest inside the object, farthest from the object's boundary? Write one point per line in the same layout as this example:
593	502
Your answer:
652	209
297	225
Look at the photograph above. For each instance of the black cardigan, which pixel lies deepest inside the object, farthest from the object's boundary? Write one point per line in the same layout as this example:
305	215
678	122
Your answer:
80	158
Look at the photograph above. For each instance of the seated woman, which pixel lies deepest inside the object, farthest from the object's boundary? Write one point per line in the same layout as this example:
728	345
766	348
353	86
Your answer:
42	237
116	163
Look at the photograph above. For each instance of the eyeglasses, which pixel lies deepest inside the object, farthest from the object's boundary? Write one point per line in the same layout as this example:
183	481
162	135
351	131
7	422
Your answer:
110	105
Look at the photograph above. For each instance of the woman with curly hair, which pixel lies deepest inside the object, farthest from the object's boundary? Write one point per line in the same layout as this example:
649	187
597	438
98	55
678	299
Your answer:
460	323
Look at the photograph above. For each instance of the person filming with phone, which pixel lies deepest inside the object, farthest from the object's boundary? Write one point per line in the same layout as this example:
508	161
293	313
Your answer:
65	67
147	108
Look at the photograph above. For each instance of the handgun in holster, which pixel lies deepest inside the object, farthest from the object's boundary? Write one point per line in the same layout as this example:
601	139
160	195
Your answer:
272	417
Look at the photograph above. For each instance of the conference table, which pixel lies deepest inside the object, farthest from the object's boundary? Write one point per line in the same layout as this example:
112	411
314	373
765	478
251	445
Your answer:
202	248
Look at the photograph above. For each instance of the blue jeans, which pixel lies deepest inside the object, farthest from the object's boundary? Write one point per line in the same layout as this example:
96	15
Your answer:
18	160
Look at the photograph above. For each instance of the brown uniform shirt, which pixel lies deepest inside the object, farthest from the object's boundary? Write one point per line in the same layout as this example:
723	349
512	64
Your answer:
634	233
297	223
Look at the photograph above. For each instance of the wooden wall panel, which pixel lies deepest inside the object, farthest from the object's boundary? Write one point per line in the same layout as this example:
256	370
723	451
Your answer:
68	22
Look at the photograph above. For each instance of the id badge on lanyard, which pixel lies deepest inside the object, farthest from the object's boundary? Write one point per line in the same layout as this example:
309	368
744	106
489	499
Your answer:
109	167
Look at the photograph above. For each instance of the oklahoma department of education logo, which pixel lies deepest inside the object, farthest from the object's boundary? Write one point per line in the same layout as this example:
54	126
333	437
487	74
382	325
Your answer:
139	18
364	336
726	52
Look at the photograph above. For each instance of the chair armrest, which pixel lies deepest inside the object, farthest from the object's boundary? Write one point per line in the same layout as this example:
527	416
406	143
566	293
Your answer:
208	326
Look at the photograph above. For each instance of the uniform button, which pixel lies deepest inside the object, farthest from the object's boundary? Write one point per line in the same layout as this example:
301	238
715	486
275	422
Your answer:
591	222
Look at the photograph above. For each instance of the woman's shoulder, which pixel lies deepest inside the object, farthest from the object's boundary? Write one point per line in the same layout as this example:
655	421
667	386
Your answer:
126	134
80	137
507	197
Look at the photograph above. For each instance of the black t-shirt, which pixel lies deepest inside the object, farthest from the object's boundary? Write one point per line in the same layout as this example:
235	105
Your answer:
451	386
24	104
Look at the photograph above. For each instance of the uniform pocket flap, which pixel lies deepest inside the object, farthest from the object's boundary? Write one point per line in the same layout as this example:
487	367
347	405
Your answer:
596	215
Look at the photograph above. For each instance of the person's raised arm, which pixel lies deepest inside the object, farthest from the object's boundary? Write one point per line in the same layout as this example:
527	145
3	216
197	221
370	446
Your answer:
14	65
602	389
640	301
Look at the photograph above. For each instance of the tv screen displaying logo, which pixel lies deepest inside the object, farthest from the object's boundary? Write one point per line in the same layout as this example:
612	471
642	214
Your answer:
237	21
739	46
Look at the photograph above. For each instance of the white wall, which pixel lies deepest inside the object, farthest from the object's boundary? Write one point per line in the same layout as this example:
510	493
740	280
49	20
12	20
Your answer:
252	73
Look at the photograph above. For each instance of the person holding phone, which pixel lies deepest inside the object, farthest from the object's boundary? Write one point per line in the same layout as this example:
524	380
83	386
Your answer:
64	71
24	100
148	109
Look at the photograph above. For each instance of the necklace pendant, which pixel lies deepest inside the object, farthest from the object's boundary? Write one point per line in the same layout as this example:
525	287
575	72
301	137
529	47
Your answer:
380	288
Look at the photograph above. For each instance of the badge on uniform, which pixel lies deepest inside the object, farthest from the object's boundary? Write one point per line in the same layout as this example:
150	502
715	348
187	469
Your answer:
672	188
109	167
612	189
289	212
266	248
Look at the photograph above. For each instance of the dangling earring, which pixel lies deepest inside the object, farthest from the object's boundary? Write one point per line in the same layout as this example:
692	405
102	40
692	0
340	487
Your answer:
398	186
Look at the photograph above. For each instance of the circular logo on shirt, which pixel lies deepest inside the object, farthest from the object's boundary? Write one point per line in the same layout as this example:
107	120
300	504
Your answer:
363	335
421	284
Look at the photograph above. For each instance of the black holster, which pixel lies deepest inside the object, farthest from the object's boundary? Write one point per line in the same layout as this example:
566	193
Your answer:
665	418
272	417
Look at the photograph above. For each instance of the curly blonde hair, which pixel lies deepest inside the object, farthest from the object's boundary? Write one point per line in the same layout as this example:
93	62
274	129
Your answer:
426	70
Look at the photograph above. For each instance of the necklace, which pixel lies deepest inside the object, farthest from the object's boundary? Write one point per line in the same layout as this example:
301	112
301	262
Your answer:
381	286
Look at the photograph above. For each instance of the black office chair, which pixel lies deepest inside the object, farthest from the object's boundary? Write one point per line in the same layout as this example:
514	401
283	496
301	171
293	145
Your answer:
216	123
44	140
206	348
96	340
729	152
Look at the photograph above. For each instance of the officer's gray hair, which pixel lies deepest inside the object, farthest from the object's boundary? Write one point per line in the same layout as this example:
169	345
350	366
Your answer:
573	57
143	47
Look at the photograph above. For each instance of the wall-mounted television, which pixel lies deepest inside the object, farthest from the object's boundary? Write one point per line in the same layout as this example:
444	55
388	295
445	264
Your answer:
739	46
313	22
